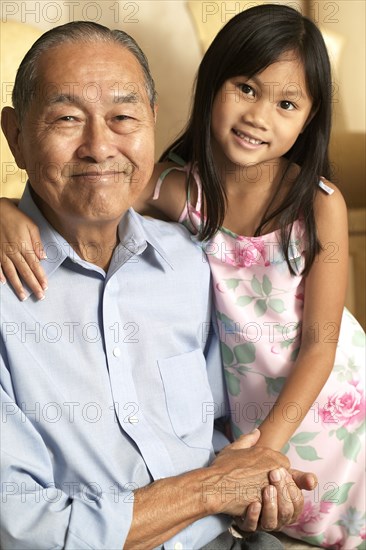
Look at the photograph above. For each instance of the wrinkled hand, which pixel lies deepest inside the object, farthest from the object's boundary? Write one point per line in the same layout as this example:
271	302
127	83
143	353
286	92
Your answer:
238	475
282	502
20	251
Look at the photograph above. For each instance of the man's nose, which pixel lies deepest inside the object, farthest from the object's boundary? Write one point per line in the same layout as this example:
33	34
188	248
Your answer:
98	142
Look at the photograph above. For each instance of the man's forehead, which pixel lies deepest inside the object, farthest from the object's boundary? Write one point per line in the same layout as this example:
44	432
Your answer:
72	95
76	72
86	62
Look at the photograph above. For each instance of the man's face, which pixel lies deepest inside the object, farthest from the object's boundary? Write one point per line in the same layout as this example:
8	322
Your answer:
87	141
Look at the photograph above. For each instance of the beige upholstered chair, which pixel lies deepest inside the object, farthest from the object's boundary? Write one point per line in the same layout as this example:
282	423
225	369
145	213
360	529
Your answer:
16	39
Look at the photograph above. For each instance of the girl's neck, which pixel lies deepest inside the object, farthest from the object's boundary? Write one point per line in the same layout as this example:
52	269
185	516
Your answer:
254	191
253	178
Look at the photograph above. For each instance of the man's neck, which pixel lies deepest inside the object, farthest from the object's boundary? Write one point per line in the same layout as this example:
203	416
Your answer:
94	241
94	244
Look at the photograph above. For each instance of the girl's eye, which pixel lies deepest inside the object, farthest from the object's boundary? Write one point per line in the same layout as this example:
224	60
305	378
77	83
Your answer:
287	105
246	89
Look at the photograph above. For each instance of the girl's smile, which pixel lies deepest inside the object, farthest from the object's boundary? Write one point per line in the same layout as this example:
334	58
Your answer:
247	140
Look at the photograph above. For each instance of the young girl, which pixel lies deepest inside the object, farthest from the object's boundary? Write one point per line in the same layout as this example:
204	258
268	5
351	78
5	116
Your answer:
252	190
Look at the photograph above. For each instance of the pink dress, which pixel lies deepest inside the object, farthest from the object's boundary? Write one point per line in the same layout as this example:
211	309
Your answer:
259	309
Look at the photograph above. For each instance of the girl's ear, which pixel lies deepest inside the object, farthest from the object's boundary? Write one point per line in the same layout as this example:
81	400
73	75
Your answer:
309	119
12	132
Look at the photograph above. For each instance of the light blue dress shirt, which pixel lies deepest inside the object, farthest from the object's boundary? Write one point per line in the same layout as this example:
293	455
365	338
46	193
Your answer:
106	387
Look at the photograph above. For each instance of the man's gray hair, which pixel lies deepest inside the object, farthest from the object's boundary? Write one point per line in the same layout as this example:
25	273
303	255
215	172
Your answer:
76	31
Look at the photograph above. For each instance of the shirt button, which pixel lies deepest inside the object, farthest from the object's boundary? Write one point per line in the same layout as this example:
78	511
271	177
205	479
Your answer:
178	546
133	419
116	352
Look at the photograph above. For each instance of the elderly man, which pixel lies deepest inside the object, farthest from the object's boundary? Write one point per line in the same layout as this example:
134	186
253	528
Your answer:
110	386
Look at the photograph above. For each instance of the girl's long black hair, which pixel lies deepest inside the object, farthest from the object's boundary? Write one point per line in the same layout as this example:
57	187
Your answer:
245	46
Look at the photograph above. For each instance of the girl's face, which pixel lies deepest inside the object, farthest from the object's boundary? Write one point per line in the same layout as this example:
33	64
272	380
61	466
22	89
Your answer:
258	120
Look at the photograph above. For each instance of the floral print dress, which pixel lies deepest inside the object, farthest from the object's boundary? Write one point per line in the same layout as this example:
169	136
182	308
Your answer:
259	309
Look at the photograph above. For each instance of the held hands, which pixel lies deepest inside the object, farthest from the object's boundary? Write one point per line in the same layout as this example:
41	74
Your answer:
254	485
20	251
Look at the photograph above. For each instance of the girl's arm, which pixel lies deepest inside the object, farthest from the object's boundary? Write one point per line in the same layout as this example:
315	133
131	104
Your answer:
20	243
325	288
20	250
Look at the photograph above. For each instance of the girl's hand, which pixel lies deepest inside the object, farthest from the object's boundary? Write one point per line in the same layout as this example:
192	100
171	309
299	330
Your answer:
20	251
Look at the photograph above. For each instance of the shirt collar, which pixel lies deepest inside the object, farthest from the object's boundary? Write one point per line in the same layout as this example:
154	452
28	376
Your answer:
133	225
133	237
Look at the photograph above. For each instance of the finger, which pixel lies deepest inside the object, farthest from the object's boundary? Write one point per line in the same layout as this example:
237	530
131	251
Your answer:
35	274
17	268
269	516
31	252
2	276
280	479
13	278
296	496
249	522
37	243
306	481
246	441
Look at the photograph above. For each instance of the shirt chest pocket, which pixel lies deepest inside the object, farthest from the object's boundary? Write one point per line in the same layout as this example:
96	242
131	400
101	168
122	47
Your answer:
188	397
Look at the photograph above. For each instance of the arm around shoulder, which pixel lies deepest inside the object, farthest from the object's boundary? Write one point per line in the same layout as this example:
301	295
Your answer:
164	196
20	251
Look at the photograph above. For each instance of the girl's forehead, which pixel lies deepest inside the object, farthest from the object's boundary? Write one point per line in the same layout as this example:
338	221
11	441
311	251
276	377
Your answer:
290	60
287	68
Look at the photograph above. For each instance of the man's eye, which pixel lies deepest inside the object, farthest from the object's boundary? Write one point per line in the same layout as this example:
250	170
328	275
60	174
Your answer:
67	118
123	117
287	105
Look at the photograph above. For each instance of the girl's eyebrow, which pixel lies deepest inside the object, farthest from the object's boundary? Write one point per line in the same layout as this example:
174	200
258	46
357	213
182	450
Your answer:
291	90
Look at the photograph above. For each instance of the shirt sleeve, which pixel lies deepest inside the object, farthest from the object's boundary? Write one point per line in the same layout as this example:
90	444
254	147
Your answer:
35	513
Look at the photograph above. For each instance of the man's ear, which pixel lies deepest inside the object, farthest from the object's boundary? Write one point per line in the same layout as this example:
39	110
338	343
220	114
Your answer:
156	108
11	129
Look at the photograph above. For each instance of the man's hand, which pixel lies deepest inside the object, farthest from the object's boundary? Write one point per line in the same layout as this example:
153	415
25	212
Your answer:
236	482
282	502
256	481
238	475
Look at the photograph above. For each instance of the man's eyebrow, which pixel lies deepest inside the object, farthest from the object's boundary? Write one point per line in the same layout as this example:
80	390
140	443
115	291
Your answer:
132	97
68	99
64	98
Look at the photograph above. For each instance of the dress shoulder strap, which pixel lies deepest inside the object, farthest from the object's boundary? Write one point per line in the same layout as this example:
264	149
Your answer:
328	190
162	177
182	167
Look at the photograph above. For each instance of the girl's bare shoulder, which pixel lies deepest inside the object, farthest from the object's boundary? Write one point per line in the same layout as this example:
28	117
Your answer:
165	194
329	199
330	210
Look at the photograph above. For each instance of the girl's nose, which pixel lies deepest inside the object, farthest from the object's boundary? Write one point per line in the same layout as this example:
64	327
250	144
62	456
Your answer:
258	114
